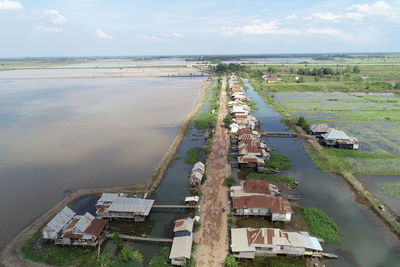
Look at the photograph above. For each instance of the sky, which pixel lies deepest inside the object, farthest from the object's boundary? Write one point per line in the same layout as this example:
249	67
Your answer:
38	28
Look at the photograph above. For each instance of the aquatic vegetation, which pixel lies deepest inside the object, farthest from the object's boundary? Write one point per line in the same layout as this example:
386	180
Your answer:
392	189
192	155
279	161
321	225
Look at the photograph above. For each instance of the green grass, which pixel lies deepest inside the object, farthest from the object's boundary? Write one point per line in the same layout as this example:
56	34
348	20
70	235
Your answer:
192	155
279	161
35	250
321	225
392	189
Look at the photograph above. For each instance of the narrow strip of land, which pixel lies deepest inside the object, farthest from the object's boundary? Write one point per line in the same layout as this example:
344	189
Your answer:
212	238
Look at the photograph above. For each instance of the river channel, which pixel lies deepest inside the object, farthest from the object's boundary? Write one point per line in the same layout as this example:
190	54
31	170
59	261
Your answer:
366	240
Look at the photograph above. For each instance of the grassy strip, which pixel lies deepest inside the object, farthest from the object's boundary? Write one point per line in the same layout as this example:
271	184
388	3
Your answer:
279	161
392	189
208	119
321	225
192	155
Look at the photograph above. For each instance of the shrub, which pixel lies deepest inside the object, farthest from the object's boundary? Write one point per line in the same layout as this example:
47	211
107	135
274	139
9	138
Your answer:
230	181
321	225
279	161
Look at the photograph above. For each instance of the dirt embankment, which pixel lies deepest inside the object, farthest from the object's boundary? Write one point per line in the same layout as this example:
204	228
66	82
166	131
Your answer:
11	255
212	237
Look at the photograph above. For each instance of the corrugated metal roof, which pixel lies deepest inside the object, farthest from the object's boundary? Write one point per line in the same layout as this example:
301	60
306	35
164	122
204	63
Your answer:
193	198
239	240
84	222
185	224
335	134
134	205
181	247
108	197
60	220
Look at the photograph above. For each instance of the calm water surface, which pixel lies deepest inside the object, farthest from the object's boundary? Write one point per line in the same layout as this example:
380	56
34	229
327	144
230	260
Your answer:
58	135
366	241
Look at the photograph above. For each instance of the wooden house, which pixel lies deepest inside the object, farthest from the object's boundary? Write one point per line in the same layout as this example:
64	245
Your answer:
53	229
319	129
261	205
82	230
247	243
254	188
130	208
192	201
181	249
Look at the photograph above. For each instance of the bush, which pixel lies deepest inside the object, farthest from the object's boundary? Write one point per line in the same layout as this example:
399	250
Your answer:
205	120
231	261
301	121
230	181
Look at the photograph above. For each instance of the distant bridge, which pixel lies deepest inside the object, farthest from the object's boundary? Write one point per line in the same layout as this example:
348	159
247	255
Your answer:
282	134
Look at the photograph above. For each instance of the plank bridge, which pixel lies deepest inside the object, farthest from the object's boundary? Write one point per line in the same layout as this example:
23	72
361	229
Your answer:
280	134
174	207
141	238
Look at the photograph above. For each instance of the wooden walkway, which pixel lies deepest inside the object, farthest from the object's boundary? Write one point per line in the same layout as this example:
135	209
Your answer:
141	238
174	207
279	134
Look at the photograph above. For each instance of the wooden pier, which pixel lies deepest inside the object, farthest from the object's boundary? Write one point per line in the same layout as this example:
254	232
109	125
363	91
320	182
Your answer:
279	134
174	207
141	238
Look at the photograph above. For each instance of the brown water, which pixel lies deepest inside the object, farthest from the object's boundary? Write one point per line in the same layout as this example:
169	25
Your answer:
62	134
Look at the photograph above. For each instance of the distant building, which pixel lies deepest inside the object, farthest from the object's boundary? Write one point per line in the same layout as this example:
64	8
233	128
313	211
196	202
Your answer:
248	243
261	205
130	208
181	249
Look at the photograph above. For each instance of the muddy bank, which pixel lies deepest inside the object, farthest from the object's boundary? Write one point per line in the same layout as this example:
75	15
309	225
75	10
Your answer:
11	255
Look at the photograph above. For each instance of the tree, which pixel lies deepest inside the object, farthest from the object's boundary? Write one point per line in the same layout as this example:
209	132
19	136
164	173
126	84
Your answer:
231	261
128	253
356	69
397	85
229	181
105	261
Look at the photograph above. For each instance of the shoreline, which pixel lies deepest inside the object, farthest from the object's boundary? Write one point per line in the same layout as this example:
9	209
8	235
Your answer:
11	255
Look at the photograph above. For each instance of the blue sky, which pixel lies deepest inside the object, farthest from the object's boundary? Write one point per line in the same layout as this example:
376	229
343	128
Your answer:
181	27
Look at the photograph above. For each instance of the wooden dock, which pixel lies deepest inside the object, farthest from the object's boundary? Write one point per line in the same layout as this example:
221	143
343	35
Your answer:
174	207
141	238
279	134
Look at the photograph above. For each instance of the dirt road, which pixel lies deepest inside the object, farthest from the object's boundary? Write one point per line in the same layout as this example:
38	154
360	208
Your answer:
212	238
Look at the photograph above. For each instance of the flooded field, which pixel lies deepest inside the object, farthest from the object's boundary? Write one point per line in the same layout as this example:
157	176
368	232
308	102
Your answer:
62	134
352	113
366	240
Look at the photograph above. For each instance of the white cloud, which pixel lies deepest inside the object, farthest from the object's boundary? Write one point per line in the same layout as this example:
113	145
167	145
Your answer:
177	34
151	37
377	8
260	27
103	35
47	29
10	5
55	17
327	16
